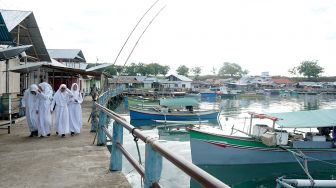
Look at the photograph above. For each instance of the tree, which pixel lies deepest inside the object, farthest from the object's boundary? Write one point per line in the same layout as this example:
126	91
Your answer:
142	69
310	69
231	69
164	70
111	70
214	70
182	70
131	70
196	71
154	68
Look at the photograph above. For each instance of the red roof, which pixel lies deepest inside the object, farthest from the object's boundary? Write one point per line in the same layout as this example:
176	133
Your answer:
282	80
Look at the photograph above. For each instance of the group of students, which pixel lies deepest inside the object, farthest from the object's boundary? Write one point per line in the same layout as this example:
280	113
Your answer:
45	110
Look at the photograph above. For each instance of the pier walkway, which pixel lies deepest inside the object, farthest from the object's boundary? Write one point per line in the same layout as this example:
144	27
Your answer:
54	161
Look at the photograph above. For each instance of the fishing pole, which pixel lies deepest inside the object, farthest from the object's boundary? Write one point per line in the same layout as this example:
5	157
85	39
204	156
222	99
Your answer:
143	33
136	25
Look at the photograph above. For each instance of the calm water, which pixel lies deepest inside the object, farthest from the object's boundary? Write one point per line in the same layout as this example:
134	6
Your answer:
234	113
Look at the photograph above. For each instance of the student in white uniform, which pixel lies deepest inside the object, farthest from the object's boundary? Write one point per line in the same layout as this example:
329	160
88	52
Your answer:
60	102
75	110
44	109
30	102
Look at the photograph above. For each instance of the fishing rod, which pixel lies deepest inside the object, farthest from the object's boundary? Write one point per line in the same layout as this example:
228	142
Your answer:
143	32
157	14
130	34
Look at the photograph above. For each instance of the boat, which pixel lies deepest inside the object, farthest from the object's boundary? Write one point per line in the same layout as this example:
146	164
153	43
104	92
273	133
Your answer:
174	109
208	93
267	145
224	93
146	114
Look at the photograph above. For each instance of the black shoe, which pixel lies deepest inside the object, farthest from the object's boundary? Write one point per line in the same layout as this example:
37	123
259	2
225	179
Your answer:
56	133
41	136
72	133
36	133
32	134
48	134
63	135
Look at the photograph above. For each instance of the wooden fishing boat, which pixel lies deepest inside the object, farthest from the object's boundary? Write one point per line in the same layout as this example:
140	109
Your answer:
147	114
267	145
174	109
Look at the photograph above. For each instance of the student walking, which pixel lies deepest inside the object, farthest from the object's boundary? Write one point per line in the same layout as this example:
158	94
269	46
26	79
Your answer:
30	102
75	110
60	102
44	106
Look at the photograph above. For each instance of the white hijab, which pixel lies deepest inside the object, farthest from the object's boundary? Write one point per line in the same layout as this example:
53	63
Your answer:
33	87
62	98
47	90
74	92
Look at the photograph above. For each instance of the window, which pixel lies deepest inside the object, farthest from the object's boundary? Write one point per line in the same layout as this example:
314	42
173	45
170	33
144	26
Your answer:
183	85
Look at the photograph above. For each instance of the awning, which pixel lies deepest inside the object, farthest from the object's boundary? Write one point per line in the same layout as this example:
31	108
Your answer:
29	67
179	102
11	52
306	119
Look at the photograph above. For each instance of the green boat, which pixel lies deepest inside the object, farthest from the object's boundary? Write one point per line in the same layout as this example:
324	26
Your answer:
266	145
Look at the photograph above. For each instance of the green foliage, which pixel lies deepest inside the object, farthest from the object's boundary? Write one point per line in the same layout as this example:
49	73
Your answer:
182	70
232	70
145	69
309	69
196	71
164	70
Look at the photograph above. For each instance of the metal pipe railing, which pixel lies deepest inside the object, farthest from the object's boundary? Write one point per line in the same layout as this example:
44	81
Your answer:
133	162
192	170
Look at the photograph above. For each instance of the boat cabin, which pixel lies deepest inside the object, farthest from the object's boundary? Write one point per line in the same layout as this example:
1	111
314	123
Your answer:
303	129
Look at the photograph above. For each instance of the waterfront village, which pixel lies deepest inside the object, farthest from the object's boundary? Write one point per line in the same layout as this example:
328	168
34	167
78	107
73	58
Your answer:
26	60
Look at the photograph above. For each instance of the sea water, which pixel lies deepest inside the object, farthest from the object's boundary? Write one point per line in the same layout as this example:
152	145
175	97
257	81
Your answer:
234	112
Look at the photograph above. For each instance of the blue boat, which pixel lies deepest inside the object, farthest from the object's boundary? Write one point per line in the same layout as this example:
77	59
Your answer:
146	114
174	109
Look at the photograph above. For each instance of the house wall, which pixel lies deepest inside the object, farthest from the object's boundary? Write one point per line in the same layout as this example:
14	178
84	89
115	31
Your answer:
186	84
147	85
14	78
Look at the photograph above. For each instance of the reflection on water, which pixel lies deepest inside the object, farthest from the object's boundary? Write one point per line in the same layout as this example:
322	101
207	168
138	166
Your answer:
234	112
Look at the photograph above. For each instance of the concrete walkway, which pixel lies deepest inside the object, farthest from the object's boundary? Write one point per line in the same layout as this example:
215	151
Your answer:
55	161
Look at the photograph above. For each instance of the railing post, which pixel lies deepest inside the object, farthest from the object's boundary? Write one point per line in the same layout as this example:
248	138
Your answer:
116	155
126	101
101	136
93	118
153	166
101	140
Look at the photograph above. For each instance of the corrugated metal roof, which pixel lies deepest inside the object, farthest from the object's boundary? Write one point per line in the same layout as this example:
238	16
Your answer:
181	77
5	36
14	17
67	54
29	36
11	52
100	67
50	65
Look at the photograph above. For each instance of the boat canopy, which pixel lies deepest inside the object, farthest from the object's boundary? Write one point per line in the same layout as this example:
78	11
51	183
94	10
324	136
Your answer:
306	119
179	102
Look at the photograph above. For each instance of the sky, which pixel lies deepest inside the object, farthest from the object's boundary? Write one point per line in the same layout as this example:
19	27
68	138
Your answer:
259	35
